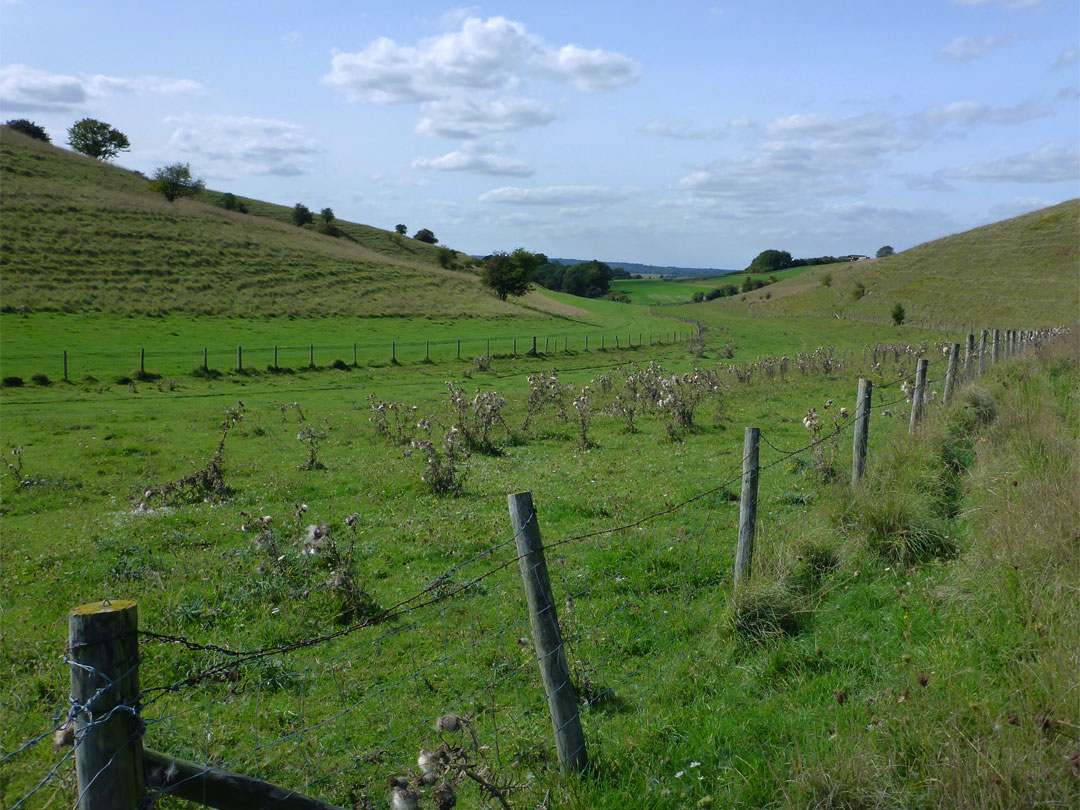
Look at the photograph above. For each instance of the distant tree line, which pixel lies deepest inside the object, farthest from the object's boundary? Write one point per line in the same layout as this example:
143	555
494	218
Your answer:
772	261
590	279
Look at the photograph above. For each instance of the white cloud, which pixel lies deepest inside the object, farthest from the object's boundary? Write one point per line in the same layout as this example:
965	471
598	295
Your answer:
1066	58
963	49
1017	206
557	195
681	131
464	79
471	118
1047	164
974	113
589	71
230	145
26	88
927	182
465	161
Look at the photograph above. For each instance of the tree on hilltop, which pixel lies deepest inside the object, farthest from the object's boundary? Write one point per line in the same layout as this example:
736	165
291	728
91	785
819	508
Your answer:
424	235
884	251
327	215
770	261
401	230
97	139
29	128
175	180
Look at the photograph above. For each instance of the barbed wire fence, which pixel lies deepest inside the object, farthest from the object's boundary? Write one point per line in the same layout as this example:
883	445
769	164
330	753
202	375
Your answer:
439	695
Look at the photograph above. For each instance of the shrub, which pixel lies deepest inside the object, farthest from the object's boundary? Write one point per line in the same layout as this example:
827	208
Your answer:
898	314
41	379
858	291
446	257
761	613
425	235
340	365
301	215
12	382
826	280
29	128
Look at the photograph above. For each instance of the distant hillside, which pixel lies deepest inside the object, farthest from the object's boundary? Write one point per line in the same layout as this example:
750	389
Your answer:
1023	271
80	235
655	269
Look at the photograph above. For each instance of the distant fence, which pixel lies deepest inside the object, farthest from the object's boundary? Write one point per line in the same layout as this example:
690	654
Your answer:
144	362
448	677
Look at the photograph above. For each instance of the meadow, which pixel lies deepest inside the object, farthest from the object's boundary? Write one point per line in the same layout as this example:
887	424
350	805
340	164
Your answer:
323	559
657	291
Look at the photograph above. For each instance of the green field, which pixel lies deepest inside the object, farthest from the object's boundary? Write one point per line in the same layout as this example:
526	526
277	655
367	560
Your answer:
656	291
907	643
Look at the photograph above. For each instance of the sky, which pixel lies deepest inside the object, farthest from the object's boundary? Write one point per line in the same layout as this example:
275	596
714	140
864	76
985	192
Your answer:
679	133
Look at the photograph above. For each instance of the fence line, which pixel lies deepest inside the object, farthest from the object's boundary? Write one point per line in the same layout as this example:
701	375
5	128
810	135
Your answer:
111	697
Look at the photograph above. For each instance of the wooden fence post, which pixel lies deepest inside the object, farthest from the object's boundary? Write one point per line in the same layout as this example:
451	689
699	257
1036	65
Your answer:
103	643
534	346
744	551
239	358
982	352
459	349
427	350
950	373
311	355
586	343
65	365
393	351
547	639
997	347
142	362
969	357
862	430
354	354
917	394
275	359
204	365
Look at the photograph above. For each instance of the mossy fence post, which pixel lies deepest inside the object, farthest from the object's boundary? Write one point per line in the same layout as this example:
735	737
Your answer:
917	395
862	430
547	638
997	347
950	373
744	551
983	338
969	357
103	643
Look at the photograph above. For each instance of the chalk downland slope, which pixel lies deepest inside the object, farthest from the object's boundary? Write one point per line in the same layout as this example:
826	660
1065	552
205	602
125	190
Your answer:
80	235
1023	271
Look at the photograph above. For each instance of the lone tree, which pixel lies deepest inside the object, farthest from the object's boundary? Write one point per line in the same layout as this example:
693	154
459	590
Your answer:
175	180
898	314
29	128
301	215
770	261
97	139
424	235
885	250
327	215
508	273
401	230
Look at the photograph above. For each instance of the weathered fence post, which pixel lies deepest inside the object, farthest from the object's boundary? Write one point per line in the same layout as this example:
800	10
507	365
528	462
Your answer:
547	639
997	347
205	367
534	346
393	351
65	365
917	394
744	551
275	359
459	349
239	358
982	351
950	373
311	355
586	343
969	357
103	643
427	350
862	430
601	343
354	354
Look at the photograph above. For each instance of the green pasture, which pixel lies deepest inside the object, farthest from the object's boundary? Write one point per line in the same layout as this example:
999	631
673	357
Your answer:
657	291
106	346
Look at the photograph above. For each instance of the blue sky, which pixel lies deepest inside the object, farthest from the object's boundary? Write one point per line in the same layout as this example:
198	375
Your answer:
694	134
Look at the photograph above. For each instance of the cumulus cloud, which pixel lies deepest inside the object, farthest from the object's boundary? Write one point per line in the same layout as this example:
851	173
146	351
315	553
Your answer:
485	54
241	145
681	131
1047	164
963	49
472	118
467	161
1017	206
557	195
23	88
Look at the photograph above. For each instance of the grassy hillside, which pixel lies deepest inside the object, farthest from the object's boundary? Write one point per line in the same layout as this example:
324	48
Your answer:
83	236
656	291
1021	271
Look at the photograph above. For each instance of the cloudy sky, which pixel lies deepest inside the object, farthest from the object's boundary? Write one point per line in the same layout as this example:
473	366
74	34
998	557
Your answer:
694	134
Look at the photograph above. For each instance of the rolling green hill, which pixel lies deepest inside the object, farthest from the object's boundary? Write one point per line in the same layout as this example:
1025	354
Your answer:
1022	271
80	235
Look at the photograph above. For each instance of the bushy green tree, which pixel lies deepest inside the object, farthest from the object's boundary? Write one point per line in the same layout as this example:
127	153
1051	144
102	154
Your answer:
29	128
401	230
301	215
898	314
885	250
510	273
327	215
97	139
769	261
424	235
175	180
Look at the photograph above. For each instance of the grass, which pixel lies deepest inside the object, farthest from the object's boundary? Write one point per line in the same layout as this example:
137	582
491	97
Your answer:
654	291
1020	272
